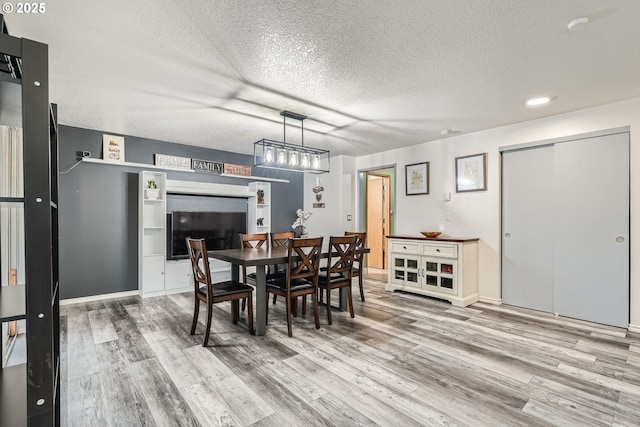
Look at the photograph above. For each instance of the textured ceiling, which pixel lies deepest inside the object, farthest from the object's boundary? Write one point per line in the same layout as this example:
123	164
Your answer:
371	75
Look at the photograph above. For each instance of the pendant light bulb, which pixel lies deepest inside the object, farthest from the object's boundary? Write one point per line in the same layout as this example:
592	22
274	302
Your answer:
268	154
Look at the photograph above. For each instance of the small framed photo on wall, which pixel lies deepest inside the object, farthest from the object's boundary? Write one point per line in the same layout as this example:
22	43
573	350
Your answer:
113	148
417	178
471	173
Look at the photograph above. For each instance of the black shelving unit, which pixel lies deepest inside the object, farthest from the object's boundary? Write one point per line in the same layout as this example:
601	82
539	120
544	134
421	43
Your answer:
30	393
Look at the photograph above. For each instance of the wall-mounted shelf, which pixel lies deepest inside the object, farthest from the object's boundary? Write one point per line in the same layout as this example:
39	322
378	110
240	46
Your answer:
132	165
148	166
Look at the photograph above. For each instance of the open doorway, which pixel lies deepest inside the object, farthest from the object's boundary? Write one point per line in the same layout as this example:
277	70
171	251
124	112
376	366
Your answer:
377	200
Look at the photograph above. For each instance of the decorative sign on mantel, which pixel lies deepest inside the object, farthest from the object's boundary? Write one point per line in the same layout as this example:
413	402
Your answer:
237	170
207	166
172	162
199	165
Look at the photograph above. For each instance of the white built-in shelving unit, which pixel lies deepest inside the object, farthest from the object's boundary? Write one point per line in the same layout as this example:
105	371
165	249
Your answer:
259	208
152	234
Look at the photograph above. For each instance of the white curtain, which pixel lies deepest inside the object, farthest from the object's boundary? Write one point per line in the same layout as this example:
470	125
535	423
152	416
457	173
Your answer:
11	215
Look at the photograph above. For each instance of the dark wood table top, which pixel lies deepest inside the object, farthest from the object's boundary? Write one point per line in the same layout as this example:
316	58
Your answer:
253	257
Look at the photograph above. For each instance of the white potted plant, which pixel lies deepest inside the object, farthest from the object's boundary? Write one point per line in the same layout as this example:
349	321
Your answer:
152	191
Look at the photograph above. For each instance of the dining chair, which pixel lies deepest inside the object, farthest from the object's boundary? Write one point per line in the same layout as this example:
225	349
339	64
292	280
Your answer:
279	240
301	278
251	241
339	272
358	259
212	293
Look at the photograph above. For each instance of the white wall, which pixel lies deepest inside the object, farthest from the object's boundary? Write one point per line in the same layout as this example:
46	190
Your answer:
477	214
339	189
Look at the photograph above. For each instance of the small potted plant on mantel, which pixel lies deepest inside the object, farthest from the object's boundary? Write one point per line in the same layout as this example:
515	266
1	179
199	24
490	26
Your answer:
152	191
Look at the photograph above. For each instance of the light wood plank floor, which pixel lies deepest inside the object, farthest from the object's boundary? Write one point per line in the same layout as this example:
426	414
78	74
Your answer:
404	360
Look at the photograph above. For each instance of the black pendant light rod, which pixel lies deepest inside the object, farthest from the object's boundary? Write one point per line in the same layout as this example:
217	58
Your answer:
294	116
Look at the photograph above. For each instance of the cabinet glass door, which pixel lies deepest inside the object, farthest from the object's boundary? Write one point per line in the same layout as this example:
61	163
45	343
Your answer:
405	270
439	274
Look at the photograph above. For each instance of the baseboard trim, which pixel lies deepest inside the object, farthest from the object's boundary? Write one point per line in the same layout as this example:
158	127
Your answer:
494	301
634	328
98	297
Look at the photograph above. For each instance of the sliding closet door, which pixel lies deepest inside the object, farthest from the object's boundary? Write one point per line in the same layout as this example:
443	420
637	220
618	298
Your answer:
527	228
591	266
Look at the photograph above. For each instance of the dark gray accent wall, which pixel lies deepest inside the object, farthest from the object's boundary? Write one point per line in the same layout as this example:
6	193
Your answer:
98	207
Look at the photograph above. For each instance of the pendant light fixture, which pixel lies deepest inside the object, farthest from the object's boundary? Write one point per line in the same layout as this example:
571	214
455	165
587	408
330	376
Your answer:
297	158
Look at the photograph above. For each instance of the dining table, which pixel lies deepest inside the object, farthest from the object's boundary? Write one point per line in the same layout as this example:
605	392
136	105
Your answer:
260	259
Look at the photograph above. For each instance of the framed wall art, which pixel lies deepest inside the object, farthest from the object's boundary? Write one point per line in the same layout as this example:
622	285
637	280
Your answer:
471	173
113	148
417	178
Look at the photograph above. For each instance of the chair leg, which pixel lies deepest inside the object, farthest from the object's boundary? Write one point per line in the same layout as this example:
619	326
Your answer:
316	314
289	302
304	305
196	313
250	314
321	293
360	284
328	304
274	298
294	307
244	303
350	301
235	308
208	329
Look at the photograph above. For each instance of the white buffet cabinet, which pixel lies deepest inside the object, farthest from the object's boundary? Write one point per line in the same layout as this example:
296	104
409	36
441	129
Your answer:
441	267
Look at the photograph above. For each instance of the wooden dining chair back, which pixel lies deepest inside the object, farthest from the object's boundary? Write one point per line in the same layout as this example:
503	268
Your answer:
254	241
358	259
301	276
211	293
339	272
251	241
279	240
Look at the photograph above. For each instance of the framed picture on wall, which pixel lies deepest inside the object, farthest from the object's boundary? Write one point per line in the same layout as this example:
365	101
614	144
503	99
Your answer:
471	173
417	178
113	148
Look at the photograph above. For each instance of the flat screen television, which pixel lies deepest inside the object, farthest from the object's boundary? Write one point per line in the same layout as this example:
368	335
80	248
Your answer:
219	230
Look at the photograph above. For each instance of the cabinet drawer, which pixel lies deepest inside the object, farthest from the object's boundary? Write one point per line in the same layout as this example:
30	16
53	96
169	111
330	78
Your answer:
439	249
405	247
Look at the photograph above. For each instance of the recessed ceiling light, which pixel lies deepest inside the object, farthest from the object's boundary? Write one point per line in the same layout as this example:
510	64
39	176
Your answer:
534	102
578	24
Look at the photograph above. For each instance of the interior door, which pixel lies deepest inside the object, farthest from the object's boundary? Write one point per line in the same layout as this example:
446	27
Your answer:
527	228
591	264
375	229
386	219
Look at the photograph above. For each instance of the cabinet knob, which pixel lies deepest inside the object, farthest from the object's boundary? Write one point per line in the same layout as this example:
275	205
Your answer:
404	247
507	235
620	239
437	250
